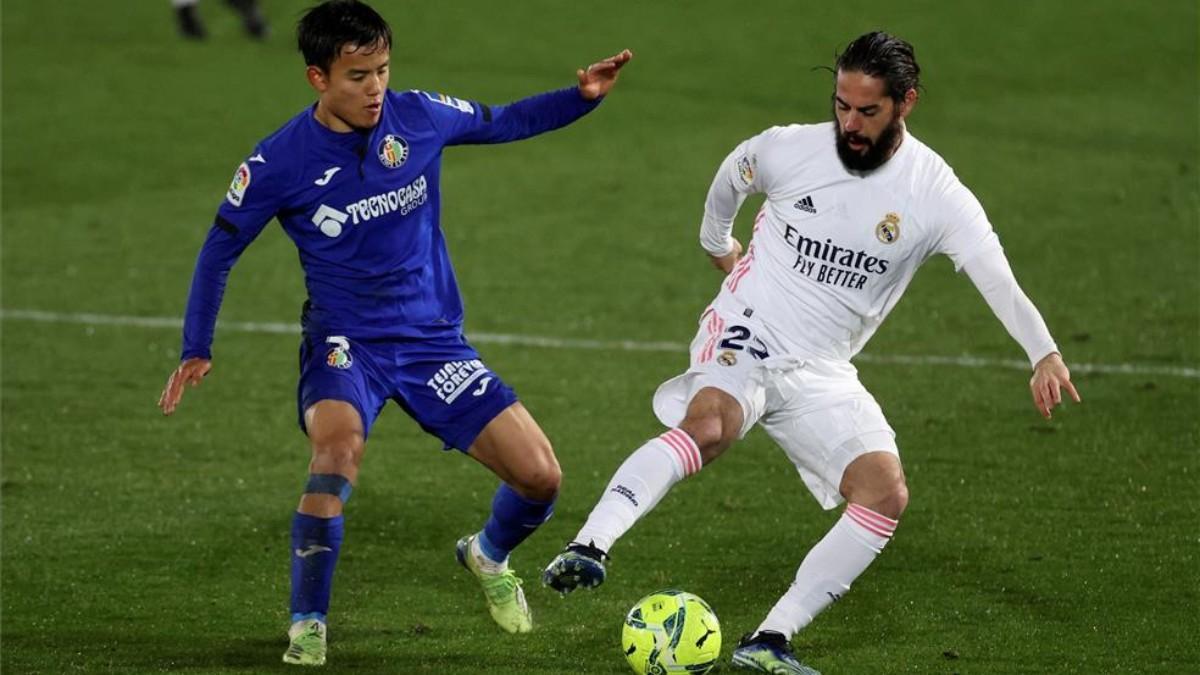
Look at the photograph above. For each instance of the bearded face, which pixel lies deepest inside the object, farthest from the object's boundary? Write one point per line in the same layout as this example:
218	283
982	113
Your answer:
868	124
862	154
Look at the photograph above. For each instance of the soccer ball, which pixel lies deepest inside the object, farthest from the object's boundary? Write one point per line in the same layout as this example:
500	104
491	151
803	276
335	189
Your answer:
671	632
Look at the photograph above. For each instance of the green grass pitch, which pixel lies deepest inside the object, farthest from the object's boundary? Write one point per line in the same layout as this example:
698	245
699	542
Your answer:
137	544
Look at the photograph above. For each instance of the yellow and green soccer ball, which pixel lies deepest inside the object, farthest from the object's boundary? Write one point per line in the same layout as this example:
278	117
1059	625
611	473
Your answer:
671	632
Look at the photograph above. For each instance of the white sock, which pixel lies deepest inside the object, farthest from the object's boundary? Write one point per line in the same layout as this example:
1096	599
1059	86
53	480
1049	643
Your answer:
638	486
182	3
830	567
485	563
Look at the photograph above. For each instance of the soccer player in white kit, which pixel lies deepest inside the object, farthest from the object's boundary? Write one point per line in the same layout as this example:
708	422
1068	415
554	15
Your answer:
853	207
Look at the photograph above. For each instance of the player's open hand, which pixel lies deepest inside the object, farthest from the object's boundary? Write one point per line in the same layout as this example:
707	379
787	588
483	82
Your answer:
598	78
1050	377
726	262
191	371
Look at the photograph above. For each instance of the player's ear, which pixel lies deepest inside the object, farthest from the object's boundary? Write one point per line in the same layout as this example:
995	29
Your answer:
317	78
910	101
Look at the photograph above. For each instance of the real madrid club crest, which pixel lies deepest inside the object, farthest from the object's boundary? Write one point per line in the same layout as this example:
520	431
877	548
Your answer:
392	151
339	356
727	358
888	229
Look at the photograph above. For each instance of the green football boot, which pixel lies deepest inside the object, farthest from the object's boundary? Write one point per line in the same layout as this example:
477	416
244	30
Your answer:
307	646
505	599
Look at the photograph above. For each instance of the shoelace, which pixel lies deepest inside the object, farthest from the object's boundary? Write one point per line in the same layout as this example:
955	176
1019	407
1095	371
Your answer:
309	638
589	551
502	588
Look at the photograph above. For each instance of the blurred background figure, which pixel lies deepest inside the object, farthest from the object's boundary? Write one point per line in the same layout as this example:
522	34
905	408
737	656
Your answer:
191	27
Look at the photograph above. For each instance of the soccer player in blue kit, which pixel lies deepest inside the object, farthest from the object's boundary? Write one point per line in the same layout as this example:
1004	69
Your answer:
354	182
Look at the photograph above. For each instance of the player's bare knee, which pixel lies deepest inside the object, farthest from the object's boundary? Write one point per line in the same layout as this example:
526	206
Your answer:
337	456
540	479
886	495
876	480
541	484
709	432
892	499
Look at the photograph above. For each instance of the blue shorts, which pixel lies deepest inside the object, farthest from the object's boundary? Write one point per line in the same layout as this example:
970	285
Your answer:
440	382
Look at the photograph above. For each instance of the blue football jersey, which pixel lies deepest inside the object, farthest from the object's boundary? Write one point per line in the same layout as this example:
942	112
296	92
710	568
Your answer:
363	208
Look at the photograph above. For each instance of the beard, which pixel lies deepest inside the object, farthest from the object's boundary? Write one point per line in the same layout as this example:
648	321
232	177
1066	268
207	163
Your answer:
877	152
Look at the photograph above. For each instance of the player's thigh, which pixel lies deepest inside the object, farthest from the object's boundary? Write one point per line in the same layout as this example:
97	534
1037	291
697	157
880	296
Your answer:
822	441
714	420
339	395
516	449
446	387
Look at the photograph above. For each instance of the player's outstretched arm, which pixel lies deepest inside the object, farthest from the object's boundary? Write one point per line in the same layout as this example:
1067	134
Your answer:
1050	377
597	79
190	371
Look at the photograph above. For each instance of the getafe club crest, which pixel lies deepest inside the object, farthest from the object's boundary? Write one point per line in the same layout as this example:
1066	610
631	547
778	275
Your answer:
888	229
339	356
392	151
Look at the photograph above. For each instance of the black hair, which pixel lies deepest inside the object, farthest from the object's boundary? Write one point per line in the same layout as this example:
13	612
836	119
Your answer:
884	56
331	25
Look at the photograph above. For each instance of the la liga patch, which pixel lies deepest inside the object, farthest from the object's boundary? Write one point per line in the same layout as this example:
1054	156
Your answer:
237	188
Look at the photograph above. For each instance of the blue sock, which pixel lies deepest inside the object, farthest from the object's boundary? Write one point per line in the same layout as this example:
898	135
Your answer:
513	519
315	545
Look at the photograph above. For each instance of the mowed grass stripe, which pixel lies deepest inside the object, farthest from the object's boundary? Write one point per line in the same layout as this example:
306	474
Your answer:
271	327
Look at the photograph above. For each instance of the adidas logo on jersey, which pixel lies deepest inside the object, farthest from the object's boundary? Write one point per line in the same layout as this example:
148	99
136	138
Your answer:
806	204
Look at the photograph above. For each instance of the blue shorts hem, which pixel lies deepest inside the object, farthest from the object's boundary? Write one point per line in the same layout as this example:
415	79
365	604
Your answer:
305	405
482	417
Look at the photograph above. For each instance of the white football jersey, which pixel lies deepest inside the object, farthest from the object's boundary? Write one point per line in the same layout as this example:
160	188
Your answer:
833	251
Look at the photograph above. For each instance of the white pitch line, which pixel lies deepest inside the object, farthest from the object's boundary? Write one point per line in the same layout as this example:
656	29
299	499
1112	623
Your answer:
271	327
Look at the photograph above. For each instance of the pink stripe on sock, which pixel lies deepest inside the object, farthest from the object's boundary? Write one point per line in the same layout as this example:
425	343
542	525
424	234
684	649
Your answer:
874	516
678	452
690	464
866	525
689	446
871	521
683	446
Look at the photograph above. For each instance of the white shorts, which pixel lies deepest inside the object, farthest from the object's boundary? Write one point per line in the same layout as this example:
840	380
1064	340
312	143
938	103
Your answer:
815	409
